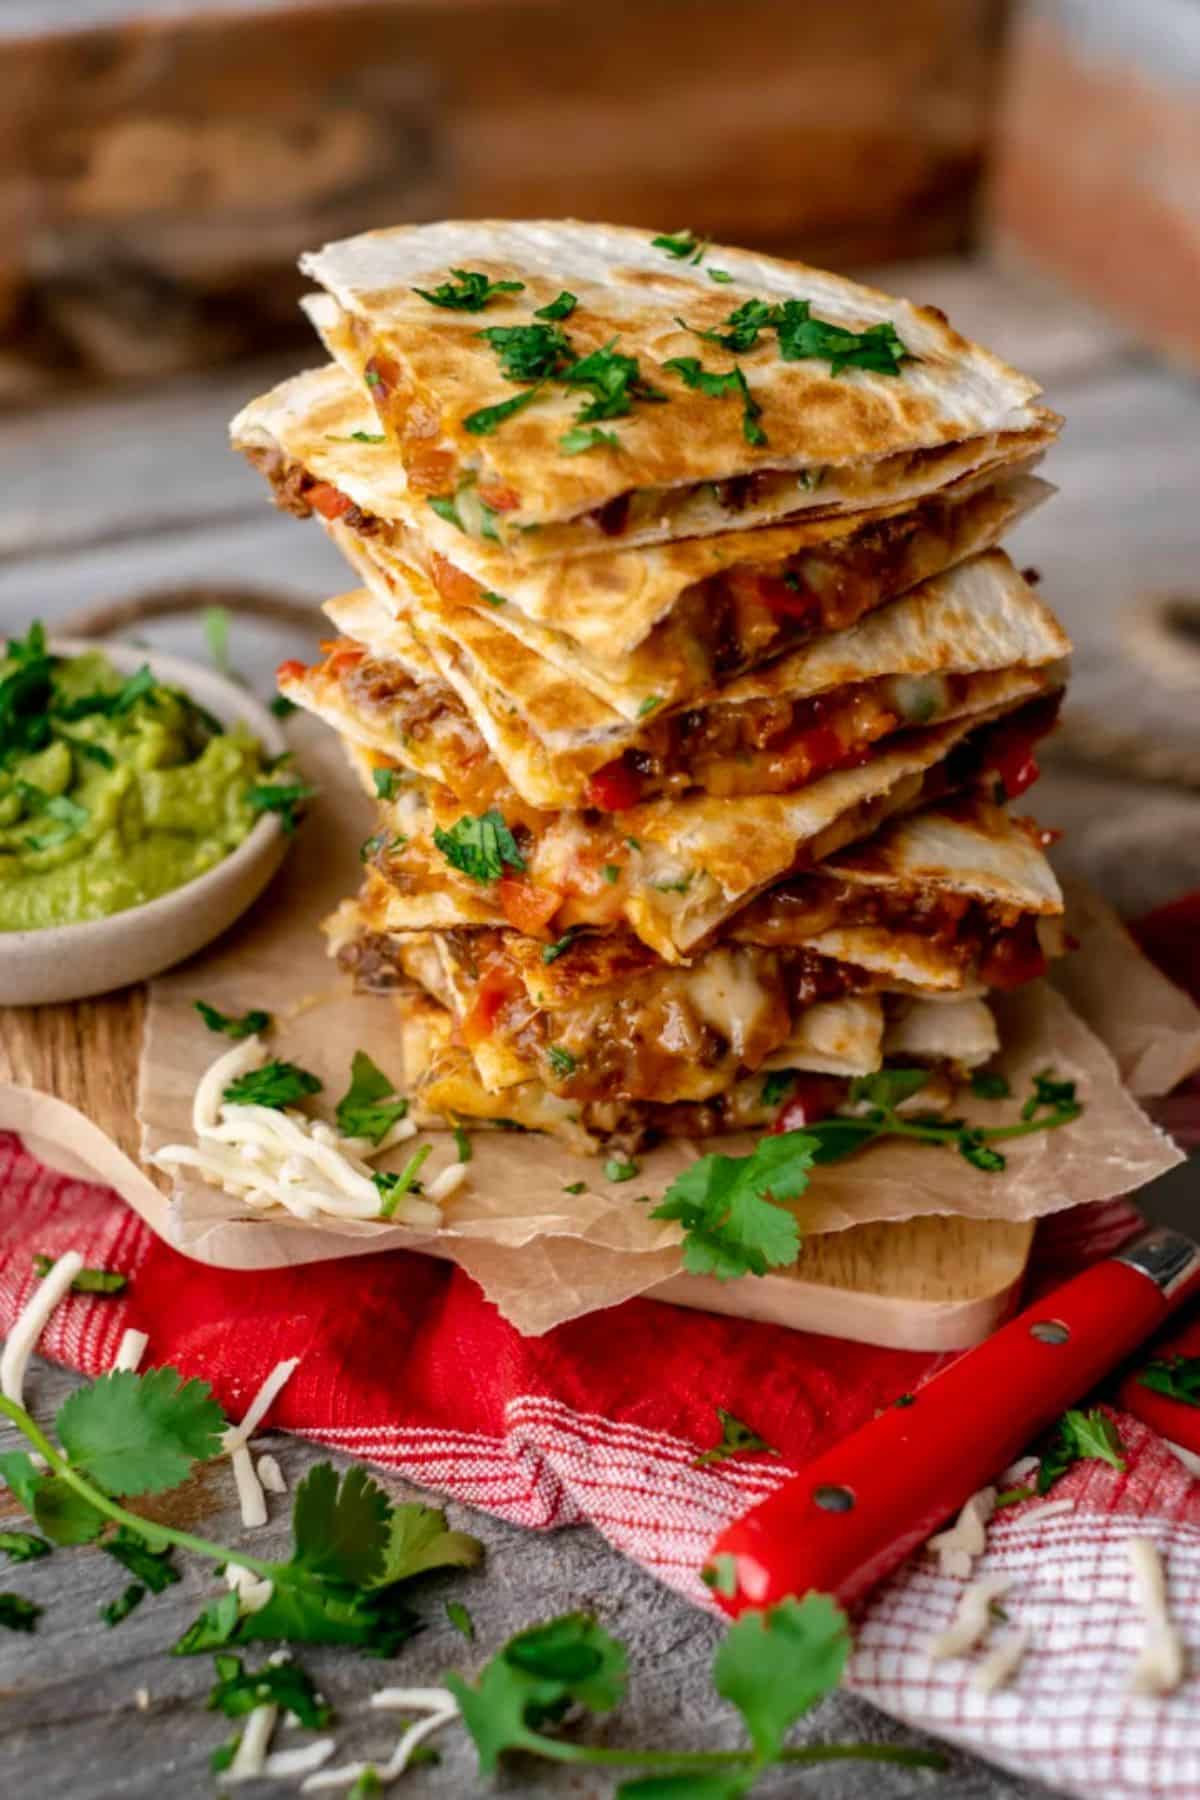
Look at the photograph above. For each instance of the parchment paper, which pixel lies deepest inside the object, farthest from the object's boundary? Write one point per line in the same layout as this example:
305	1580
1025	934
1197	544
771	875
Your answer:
591	1250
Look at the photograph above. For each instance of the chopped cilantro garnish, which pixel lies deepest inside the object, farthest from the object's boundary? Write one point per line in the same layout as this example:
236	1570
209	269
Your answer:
611	873
493	599
17	1613
562	308
1178	1377
486	420
878	348
469	291
529	352
281	706
385	782
988	1085
445	508
1077	1437
462	1144
574	1187
736	1440
238	1691
684	247
561	1061
480	848
614	381
552	952
721	275
707	381
67	816
370	1106
648	705
777	1085
232	1026
284	798
587	437
276	1084
617	1170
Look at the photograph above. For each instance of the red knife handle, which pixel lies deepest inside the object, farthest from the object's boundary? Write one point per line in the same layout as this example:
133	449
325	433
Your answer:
856	1512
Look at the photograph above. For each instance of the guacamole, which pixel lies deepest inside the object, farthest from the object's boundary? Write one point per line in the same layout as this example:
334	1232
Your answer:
113	788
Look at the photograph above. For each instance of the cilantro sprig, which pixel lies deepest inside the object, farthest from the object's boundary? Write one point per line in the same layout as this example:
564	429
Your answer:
771	1666
879	349
1078	1437
728	1207
370	1106
277	1084
126	1435
1178	1377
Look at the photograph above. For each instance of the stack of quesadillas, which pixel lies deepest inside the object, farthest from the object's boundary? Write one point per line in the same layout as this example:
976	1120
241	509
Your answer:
686	672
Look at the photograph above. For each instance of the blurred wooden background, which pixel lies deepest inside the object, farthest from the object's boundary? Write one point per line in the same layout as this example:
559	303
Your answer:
161	166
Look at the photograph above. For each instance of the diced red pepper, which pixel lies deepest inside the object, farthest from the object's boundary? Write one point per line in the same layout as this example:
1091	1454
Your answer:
451	582
496	989
328	500
292	670
813	1097
499	497
527	908
614	788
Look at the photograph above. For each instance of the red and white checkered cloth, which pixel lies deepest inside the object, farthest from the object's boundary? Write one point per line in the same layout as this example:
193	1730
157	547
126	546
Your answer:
405	1365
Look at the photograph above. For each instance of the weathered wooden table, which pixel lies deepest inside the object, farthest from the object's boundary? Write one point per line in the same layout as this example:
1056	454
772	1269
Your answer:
138	491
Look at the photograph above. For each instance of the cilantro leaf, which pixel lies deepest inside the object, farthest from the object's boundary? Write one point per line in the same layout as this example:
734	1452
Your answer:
385	781
530	352
617	1169
486	419
562	1063
745	325
773	1666
140	1434
988	1084
304	1614
777	1085
369	1107
971	1145
1049	1092
22	1546
552	952
153	1568
534	1679
887	1088
461	1619
138	686
736	1440
65	1516
727	1206
419	1540
239	1690
340	1527
462	1144
878	348
1178	1377
281	706
17	1613
276	1084
284	798
230	1025
614	381
393	1187
733	381
561	308
587	437
127	1600
67	816
480	848
1077	1437
88	1281
684	247
469	291
721	275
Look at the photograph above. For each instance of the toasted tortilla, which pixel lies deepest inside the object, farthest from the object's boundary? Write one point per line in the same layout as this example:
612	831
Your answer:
978	620
596	615
683	867
948	392
963	1032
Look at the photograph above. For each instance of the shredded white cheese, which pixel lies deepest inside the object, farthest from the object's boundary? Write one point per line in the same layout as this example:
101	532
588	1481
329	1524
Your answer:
343	1777
268	1157
1188	1458
141	1699
1002	1663
250	1757
416	1734
966	1539
1017	1473
448	1182
283	1764
271	1475
972	1618
130	1351
1048	1510
262	1403
251	1498
30	1323
414	1699
1158	1667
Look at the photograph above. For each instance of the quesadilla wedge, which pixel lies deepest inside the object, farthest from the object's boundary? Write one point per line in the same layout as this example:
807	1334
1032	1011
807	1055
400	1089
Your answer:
942	651
644	387
668	621
938	653
670	870
838	1040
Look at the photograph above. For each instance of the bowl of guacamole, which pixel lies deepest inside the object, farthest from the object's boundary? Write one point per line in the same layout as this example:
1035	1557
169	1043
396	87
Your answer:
144	803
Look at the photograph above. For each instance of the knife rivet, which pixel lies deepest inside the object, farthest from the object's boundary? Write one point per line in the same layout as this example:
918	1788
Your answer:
834	1499
1050	1331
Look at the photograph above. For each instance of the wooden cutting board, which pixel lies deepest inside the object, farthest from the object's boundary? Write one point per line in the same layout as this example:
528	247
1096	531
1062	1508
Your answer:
932	1283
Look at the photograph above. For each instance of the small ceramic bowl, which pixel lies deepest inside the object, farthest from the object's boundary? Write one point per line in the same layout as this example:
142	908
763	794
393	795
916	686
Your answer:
71	962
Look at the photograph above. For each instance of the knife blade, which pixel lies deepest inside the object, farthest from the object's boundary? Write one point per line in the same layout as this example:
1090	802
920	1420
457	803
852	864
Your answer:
852	1516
